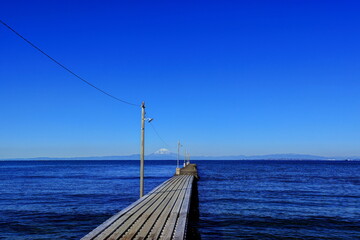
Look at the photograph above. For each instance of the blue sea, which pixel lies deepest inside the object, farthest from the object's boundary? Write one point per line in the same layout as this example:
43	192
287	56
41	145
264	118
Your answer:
237	199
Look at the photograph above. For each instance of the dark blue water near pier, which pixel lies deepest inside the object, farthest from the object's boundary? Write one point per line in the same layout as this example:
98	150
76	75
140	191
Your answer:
237	199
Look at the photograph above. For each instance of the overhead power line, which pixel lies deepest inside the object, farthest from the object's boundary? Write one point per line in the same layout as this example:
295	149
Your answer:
157	133
67	69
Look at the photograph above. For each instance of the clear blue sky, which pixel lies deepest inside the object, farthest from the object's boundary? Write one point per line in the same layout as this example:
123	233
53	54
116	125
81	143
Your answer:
224	77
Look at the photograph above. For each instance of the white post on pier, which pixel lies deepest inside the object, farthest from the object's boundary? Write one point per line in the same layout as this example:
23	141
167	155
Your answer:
177	171
185	158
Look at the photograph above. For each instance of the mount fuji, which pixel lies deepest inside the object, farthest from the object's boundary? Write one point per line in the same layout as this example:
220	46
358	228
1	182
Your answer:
162	154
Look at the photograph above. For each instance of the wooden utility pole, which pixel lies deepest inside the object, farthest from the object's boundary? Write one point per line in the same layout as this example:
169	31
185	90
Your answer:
178	154
142	149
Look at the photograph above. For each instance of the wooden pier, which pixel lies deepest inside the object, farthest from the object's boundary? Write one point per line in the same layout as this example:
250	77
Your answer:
161	214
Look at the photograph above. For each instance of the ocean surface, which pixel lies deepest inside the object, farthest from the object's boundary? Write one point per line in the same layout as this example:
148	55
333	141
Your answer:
237	199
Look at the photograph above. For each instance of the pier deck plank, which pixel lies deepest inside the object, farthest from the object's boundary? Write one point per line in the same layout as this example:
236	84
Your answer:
161	214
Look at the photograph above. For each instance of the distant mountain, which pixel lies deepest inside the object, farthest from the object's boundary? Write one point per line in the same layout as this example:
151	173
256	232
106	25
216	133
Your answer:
165	154
289	156
273	157
127	157
162	154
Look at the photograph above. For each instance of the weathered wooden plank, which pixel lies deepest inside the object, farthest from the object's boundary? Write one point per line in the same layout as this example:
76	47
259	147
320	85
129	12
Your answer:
111	220
144	225
120	225
159	225
161	214
180	229
174	216
171	215
133	224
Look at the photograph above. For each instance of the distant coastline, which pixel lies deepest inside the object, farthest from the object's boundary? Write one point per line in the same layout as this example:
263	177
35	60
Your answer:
173	156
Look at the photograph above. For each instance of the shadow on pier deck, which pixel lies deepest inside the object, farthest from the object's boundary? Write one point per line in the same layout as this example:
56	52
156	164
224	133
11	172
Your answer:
161	214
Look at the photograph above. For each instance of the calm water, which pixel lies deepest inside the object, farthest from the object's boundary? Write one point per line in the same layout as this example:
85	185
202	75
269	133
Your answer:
237	199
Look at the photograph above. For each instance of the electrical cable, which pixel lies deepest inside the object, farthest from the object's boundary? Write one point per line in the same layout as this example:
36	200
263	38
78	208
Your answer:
157	133
64	67
77	76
